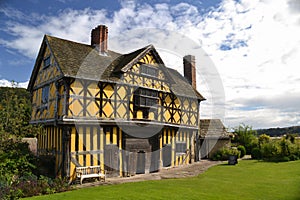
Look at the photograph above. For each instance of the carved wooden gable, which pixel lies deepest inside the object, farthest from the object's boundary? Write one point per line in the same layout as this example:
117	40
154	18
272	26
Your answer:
147	72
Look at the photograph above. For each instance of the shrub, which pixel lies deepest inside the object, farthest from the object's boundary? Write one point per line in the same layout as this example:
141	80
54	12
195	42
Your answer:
256	153
242	150
32	186
294	157
285	146
279	151
16	160
263	139
284	159
244	135
270	151
224	153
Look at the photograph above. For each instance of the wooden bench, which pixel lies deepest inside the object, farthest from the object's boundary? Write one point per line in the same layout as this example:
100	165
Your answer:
90	172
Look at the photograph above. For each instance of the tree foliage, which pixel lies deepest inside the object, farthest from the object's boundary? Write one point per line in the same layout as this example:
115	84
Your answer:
15	113
244	135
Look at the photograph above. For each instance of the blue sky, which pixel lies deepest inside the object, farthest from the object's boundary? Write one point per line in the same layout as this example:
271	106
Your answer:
251	46
34	12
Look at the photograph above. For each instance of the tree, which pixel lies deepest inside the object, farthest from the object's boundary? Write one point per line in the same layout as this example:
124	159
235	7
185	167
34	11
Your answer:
15	114
244	135
263	139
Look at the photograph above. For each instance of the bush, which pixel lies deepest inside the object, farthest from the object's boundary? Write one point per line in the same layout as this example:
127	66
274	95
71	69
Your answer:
278	151
33	186
271	151
19	176
244	135
285	146
263	139
224	153
284	159
242	150
294	157
256	153
16	160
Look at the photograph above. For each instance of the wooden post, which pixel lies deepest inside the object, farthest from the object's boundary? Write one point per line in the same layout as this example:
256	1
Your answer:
160	151
66	151
193	147
57	98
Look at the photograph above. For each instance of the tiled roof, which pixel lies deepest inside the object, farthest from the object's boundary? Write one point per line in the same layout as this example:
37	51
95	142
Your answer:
79	60
212	128
182	87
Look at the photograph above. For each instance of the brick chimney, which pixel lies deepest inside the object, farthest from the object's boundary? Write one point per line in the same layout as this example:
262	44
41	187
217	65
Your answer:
99	38
190	69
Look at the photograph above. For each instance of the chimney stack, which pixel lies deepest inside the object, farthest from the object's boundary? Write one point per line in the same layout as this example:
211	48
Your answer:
190	69
99	38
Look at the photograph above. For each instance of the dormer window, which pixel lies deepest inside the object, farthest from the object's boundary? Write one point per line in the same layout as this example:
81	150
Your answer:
149	70
47	62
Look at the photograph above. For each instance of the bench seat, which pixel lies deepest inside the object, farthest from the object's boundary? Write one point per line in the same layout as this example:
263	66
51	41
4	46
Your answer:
90	172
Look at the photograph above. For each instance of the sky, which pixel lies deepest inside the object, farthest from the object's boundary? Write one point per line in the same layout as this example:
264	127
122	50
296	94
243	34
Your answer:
250	49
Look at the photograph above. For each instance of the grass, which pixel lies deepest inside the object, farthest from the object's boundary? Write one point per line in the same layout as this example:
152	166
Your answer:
249	179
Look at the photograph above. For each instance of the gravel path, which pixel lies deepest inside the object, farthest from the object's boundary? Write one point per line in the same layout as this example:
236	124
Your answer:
167	173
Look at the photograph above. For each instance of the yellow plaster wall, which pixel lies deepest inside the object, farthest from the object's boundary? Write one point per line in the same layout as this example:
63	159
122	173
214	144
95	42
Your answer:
50	143
44	77
89	139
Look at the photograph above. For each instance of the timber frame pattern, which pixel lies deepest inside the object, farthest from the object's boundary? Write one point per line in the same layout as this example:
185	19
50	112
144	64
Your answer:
95	109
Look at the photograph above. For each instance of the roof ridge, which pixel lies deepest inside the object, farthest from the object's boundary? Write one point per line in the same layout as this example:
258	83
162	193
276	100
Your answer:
75	42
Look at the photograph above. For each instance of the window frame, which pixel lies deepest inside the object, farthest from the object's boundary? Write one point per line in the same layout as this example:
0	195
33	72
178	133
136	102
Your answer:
45	94
146	100
149	97
148	70
180	147
47	62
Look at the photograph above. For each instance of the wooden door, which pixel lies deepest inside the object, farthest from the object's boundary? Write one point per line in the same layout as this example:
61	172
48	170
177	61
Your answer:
140	167
167	155
111	159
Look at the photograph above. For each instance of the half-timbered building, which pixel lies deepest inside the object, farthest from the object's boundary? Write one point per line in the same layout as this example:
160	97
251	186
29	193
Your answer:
128	113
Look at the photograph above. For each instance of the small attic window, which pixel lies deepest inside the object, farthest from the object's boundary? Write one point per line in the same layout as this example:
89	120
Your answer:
149	71
47	62
45	94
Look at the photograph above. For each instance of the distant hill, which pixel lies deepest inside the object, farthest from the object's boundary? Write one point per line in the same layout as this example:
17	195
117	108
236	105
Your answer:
276	132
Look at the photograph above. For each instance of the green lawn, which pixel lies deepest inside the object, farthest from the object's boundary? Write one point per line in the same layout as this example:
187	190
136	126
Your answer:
247	180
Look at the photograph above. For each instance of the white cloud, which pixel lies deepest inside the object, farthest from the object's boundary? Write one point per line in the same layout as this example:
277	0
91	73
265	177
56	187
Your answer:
266	66
69	24
253	44
6	83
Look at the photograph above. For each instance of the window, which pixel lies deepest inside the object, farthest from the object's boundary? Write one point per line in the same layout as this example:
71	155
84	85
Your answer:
47	62
181	147
150	71
45	94
146	98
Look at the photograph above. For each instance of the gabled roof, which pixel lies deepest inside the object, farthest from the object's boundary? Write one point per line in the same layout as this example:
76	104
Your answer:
125	62
78	60
212	128
182	86
74	59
